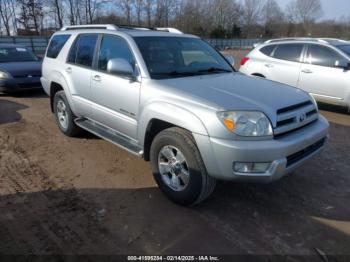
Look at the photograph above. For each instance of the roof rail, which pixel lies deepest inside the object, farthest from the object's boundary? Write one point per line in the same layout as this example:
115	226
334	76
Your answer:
80	27
296	39
334	39
168	29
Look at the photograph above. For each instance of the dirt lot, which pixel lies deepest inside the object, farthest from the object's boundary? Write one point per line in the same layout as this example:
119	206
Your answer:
60	195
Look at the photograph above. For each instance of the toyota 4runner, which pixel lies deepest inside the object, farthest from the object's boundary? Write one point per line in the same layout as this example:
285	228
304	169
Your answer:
174	100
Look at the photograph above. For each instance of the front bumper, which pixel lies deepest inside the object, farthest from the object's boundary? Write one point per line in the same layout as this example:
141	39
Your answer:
15	84
285	154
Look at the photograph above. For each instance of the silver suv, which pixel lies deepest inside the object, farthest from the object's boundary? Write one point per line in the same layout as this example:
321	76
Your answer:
318	66
174	100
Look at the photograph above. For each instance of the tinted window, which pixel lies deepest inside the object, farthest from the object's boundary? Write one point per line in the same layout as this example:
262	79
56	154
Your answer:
82	51
267	50
169	57
113	47
56	44
290	52
16	54
345	49
323	56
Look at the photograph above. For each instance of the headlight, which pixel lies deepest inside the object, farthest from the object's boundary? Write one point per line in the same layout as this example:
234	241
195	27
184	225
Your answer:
246	123
4	75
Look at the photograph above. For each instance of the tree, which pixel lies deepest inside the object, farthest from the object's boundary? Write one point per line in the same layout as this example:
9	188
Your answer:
272	18
252	10
139	7
7	15
305	12
31	15
126	7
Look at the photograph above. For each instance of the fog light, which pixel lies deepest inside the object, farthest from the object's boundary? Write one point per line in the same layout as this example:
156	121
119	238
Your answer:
255	168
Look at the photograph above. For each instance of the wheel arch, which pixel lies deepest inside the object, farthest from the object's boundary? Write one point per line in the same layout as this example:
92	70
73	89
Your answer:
160	116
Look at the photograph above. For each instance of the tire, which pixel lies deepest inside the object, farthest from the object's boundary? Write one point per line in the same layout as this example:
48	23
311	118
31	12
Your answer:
68	127
176	143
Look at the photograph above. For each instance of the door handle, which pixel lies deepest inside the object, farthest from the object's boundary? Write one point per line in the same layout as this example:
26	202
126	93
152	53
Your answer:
69	70
268	65
307	71
97	78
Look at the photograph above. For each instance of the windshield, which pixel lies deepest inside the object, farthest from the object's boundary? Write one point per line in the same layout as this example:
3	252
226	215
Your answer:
345	49
170	57
16	54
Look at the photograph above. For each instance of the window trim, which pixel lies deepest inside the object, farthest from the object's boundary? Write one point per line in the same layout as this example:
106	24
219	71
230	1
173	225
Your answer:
97	53
300	57
325	46
94	53
272	52
47	49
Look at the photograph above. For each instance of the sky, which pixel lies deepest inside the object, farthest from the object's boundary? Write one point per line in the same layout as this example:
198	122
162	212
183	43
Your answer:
332	9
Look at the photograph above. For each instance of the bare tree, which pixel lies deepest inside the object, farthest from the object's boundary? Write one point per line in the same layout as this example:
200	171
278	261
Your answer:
139	6
126	7
149	4
31	15
252	10
7	14
272	18
305	12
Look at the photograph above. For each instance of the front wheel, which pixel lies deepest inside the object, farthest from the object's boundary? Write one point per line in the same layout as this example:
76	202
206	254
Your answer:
179	169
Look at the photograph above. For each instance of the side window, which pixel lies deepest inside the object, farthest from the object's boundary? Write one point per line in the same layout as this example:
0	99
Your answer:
83	49
113	47
267	50
56	44
289	52
322	56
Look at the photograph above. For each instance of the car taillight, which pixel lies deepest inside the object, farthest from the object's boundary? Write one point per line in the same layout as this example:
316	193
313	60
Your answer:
244	61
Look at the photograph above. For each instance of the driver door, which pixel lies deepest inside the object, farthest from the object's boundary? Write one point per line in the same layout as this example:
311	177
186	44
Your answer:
115	99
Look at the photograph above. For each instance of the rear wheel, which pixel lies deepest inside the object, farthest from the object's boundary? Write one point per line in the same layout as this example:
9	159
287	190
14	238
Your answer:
178	167
64	115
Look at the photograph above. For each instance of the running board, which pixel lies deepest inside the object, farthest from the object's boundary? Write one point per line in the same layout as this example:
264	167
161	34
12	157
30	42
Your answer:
110	135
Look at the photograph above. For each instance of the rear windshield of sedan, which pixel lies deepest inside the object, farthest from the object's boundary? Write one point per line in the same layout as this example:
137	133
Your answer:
171	57
16	54
345	49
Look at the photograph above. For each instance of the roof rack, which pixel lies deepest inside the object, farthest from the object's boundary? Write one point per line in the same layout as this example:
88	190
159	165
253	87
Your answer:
115	27
168	29
321	40
80	27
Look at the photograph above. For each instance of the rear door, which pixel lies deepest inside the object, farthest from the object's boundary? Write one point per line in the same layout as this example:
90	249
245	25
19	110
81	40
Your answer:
78	69
285	64
320	76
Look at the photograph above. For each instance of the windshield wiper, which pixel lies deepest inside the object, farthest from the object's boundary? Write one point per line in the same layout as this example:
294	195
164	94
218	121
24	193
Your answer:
175	73
214	70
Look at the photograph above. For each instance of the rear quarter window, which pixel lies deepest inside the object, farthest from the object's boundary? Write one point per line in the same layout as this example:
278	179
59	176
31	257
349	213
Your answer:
267	50
56	44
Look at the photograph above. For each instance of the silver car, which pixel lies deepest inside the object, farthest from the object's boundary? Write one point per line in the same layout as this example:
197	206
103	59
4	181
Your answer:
175	101
318	66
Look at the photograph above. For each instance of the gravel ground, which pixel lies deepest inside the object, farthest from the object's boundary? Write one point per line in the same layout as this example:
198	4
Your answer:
62	196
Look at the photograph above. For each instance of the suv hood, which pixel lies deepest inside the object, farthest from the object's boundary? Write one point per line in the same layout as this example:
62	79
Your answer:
238	92
22	69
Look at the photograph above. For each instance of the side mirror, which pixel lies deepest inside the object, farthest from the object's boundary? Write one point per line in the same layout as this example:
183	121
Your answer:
230	59
342	64
121	67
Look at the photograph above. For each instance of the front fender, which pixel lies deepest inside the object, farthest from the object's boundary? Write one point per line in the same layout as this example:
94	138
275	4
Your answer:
172	114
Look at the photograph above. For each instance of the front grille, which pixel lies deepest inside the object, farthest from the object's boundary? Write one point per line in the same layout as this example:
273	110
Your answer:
29	85
27	76
295	158
294	117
